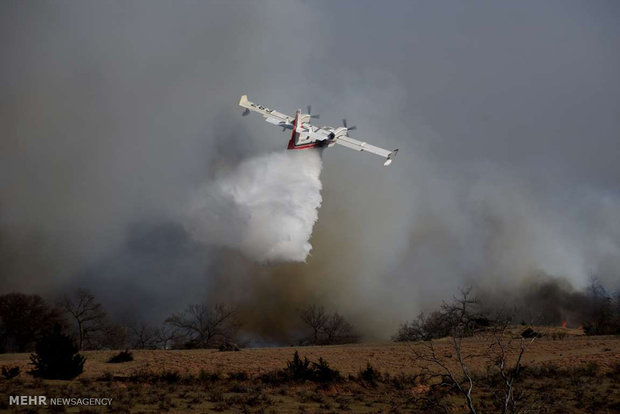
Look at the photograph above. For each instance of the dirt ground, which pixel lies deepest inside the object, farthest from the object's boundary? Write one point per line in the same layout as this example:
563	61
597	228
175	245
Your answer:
571	373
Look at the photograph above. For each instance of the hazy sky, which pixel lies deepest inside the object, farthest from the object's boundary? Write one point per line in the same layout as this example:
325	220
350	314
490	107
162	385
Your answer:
507	116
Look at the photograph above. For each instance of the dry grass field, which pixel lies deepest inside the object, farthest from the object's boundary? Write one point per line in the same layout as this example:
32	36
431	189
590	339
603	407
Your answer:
571	373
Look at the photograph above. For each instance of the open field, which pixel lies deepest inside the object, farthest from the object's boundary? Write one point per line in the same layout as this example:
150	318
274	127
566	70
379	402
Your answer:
571	374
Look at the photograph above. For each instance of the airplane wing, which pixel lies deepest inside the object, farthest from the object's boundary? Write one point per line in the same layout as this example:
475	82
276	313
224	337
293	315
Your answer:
271	116
349	142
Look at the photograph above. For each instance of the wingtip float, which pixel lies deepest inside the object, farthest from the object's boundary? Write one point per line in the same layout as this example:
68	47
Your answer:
306	135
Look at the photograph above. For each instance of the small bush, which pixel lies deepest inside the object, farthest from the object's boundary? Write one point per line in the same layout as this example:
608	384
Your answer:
546	370
229	346
343	403
189	379
123	356
402	381
323	373
171	377
238	388
530	333
238	376
615	371
206	376
86	381
298	369
56	357
550	370
589	370
10	372
215	396
370	375
302	370
558	335
141	376
107	376
275	377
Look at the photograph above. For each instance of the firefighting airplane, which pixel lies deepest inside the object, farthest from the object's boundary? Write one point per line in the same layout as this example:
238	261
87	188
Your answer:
306	135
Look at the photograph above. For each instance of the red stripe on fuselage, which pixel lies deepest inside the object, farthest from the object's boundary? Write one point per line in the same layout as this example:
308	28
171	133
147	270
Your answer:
297	147
291	142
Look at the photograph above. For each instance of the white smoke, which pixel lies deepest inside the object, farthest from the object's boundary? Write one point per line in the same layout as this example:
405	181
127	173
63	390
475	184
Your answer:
266	207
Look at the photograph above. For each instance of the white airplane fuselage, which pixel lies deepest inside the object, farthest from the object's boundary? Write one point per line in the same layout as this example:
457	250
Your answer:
306	136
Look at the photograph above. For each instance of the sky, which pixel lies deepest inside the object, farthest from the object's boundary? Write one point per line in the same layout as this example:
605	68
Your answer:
113	116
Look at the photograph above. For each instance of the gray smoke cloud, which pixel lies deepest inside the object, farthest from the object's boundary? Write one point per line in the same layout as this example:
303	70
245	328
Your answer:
115	116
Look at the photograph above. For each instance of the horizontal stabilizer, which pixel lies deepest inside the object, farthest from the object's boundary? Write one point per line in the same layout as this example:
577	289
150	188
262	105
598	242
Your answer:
388	161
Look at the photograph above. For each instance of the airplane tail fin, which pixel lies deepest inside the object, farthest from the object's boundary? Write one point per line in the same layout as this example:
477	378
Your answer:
244	101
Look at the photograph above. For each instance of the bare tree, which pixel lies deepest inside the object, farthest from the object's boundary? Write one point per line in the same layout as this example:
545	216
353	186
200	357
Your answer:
463	313
504	352
24	319
601	315
315	317
462	379
327	328
143	336
338	330
424	328
206	326
88	314
457	320
166	335
500	349
110	336
461	317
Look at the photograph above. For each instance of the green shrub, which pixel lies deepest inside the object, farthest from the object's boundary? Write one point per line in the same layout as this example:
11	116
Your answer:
10	372
56	357
302	370
370	375
171	377
323	373
123	356
238	376
206	376
298	369
530	333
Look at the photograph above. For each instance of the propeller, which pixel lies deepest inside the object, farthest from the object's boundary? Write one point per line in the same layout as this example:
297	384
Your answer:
310	113
349	128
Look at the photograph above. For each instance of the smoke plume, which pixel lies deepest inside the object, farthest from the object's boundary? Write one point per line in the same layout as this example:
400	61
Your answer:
266	207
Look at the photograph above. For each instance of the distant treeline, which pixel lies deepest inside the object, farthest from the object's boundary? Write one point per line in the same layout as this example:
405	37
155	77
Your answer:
26	319
546	302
